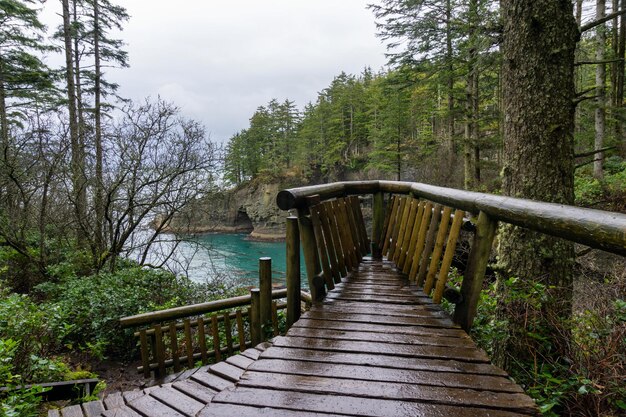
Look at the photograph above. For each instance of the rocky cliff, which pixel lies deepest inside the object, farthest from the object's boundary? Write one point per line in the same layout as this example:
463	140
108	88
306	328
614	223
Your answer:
250	208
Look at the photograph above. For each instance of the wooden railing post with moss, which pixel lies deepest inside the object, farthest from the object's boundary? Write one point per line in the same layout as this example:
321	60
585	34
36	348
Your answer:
419	228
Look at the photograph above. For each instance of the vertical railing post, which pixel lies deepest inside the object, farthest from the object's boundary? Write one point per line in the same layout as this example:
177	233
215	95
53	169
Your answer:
255	316
293	271
311	260
378	220
265	287
465	311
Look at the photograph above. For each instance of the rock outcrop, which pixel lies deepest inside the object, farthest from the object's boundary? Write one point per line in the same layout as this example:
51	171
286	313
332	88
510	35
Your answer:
250	208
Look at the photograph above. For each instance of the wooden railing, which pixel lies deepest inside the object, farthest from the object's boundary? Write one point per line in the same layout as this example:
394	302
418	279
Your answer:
179	337
418	226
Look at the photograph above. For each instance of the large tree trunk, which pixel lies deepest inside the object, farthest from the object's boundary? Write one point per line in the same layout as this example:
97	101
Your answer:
77	163
538	80
600	115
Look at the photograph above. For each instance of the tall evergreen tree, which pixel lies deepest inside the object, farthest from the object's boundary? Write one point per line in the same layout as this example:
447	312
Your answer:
25	82
538	77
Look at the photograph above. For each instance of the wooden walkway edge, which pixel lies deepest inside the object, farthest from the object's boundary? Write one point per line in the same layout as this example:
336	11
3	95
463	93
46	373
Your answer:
376	346
181	394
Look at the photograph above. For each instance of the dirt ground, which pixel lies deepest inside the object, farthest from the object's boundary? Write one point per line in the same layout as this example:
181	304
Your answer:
119	376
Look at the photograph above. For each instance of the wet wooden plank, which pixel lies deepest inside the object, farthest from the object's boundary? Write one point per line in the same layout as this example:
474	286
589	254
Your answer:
397	311
402	285
185	374
240	361
113	400
195	390
72	411
397	362
402	289
384	274
381	328
371	318
376	306
229	410
345	405
325	333
149	406
122	411
370	373
131	395
227	371
422	351
262	346
392	391
374	298
251	353
378	280
93	408
148	390
178	376
178	401
393	296
211	381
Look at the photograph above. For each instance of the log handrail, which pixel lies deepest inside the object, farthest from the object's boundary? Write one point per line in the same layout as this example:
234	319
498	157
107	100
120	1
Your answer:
192	310
595	228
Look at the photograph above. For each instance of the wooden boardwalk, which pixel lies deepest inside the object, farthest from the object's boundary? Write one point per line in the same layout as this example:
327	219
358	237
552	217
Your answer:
375	346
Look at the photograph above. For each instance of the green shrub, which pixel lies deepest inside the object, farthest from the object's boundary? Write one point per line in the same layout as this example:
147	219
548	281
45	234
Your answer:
588	379
15	402
93	305
608	193
37	332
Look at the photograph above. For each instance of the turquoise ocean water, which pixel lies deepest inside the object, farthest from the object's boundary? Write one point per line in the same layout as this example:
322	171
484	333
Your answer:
234	258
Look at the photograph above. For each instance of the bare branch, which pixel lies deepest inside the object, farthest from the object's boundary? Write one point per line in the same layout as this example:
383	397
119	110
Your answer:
598	22
606	61
593	152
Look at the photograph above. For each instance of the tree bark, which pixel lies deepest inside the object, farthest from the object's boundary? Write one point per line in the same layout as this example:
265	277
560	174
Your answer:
471	149
99	188
77	166
450	81
6	192
600	114
540	38
619	90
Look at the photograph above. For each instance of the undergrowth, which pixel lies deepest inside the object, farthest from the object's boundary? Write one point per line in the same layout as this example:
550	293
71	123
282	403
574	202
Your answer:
583	378
80	314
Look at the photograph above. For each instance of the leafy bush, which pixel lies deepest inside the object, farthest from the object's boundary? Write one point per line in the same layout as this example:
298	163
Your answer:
609	192
93	305
588	379
37	332
16	402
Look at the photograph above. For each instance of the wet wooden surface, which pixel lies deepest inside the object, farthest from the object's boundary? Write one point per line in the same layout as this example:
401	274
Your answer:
375	347
184	393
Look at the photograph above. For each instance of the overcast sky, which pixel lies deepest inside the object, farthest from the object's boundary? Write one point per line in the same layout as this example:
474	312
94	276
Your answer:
220	60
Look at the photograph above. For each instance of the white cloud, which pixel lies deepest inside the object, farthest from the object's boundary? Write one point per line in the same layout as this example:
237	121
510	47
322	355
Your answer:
220	60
